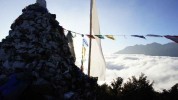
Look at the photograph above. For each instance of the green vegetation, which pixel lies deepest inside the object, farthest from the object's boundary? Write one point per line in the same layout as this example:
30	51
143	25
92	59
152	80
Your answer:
135	89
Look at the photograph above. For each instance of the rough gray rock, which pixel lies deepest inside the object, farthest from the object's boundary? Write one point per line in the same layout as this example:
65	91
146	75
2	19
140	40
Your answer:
36	45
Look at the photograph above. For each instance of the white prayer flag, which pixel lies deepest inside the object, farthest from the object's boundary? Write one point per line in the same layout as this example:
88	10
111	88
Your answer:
97	61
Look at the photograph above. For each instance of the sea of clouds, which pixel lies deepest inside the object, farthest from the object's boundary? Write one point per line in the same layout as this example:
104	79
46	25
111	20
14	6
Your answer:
161	70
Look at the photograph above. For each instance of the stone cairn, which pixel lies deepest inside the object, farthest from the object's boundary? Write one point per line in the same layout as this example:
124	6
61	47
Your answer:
37	47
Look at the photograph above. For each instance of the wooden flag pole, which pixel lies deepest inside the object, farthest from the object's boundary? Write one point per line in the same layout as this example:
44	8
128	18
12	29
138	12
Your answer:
89	58
82	54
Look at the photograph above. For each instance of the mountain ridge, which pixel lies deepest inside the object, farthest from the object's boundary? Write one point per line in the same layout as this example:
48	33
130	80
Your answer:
153	49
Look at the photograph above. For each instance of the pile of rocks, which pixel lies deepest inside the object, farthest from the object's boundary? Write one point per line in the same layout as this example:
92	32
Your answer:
36	45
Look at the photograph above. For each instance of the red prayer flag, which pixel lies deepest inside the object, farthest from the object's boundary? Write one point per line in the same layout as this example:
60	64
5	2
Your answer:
91	36
173	38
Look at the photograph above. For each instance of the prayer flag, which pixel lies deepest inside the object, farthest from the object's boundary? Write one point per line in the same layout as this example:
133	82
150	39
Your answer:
91	36
83	53
139	36
71	45
152	35
97	62
110	37
173	38
85	42
100	36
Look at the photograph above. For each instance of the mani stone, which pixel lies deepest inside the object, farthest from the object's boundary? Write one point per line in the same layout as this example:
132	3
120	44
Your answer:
42	3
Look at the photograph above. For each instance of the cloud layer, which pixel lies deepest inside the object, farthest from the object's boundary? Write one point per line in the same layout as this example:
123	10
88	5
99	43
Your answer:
162	70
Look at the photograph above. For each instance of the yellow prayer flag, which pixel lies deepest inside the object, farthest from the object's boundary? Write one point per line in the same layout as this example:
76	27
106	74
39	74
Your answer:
110	37
84	51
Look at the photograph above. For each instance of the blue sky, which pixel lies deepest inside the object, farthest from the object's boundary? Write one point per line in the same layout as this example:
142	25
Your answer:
126	17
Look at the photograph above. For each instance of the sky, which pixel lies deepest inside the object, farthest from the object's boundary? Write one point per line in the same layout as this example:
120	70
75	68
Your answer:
116	17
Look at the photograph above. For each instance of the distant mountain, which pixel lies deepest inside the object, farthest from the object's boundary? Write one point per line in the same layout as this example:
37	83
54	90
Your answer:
153	49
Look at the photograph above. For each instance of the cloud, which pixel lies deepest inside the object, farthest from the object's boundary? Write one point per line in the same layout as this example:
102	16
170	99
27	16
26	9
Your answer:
162	70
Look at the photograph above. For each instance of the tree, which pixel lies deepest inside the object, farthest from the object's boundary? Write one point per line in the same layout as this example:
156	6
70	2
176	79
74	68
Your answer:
104	92
174	92
138	89
116	86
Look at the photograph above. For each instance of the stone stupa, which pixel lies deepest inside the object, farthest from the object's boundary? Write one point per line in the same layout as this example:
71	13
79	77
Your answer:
36	52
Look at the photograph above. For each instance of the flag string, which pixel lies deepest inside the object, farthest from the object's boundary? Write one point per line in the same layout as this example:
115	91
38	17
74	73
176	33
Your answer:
112	37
